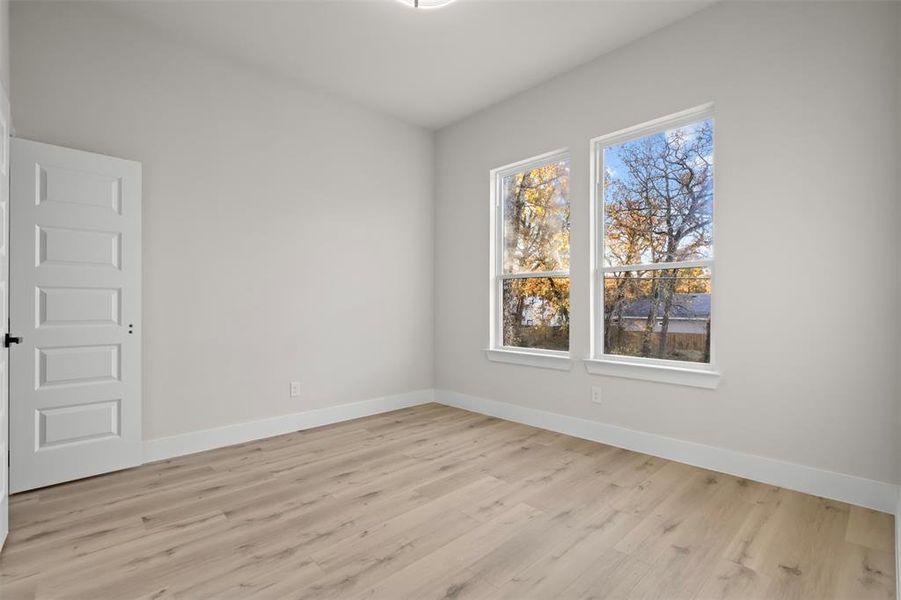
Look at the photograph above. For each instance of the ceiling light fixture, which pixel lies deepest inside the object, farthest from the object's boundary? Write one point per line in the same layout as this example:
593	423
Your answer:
426	3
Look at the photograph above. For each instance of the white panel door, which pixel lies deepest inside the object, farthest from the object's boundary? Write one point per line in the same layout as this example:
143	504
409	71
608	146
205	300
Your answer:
4	315
75	283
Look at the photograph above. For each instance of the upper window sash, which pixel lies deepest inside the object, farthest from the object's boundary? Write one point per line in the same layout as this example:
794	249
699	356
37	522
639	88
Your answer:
703	254
511	261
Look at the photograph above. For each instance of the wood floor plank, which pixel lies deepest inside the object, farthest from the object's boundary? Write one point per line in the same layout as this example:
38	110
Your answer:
728	580
871	529
572	519
429	572
565	560
612	576
863	573
682	551
436	502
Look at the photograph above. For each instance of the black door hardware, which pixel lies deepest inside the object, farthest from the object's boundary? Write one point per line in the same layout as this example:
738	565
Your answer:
9	340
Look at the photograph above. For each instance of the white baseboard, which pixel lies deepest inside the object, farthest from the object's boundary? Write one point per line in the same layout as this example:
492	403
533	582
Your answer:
208	439
877	495
868	493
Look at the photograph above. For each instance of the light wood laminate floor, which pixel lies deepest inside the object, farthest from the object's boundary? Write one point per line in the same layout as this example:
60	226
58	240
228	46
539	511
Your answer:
435	502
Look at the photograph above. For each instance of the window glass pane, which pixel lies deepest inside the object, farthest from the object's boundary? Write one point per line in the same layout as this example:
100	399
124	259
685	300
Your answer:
658	314
536	313
536	219
658	197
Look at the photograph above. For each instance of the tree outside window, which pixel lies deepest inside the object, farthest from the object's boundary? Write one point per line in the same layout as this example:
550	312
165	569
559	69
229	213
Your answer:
658	243
533	279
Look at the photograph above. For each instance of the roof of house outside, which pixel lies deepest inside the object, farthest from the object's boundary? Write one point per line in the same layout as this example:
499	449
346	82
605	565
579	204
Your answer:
685	306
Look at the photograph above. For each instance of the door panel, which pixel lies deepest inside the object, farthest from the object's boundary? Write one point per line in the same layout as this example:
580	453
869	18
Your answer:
77	307
76	280
58	184
79	247
70	424
77	365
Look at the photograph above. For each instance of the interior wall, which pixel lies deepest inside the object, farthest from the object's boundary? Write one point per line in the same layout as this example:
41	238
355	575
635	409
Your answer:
4	44
806	226
287	234
897	448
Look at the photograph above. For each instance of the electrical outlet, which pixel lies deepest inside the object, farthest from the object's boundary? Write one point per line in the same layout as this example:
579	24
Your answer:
295	389
596	394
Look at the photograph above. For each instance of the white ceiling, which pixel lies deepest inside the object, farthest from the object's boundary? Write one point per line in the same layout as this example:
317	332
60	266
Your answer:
430	67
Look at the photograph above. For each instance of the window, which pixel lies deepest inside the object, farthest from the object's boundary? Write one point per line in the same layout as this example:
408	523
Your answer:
530	299
654	256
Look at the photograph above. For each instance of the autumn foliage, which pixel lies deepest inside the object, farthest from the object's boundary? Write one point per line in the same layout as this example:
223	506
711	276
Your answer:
536	240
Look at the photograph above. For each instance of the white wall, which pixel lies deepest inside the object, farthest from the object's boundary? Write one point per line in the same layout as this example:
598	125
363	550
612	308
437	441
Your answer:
897	449
4	44
806	229
287	235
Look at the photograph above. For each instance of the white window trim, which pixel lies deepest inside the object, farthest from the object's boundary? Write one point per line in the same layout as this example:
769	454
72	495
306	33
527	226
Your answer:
496	351
633	367
545	359
670	373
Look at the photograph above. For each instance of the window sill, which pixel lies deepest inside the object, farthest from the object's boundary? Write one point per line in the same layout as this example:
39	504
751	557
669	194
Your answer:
559	361
701	378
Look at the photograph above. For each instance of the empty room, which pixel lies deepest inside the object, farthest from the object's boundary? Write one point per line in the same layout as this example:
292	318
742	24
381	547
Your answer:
450	299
